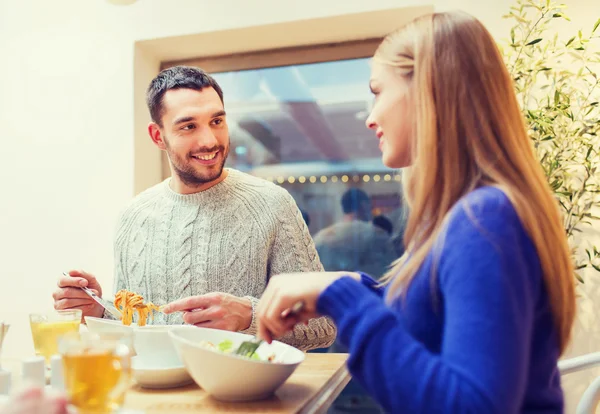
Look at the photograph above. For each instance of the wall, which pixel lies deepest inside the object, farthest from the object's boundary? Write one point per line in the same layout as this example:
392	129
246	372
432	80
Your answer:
66	110
67	122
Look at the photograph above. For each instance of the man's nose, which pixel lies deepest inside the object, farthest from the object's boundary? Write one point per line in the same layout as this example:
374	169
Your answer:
206	139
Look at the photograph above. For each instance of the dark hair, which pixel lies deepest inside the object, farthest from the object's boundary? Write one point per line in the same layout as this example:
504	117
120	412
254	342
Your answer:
352	200
384	223
177	77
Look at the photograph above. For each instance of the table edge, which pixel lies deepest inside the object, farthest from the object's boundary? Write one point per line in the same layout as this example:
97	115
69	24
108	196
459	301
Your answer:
330	391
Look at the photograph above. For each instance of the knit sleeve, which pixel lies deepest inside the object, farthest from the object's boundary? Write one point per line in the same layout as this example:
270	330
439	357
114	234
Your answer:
371	284
120	279
294	252
489	283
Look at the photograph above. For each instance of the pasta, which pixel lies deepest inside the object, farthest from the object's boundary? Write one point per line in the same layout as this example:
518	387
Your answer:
128	302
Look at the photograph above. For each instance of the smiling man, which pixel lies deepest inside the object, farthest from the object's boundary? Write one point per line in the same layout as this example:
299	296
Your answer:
208	239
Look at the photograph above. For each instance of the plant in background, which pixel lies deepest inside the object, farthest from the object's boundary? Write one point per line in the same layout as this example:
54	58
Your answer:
557	84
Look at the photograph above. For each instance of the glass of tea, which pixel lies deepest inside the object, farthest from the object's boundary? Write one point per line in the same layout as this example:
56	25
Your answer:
96	371
46	328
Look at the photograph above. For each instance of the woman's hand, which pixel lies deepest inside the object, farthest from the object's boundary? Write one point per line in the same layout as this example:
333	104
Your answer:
283	292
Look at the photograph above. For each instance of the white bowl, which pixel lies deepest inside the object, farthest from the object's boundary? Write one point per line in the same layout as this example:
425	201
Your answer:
101	325
230	377
153	343
155	374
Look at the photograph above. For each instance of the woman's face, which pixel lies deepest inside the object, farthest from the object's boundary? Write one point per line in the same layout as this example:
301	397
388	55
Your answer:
392	115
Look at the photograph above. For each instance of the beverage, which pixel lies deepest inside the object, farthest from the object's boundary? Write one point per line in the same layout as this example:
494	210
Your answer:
92	380
47	329
96	373
46	334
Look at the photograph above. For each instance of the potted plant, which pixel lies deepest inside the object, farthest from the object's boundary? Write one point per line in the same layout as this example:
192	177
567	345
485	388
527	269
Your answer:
557	81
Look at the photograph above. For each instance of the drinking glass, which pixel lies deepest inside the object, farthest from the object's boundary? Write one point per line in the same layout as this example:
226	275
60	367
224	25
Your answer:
46	328
96	371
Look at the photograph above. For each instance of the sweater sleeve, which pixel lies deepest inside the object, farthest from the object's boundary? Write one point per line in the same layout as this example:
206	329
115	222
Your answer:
119	281
293	251
488	284
371	284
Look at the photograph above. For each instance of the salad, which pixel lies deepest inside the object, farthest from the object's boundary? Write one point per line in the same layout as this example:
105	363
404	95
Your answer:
226	347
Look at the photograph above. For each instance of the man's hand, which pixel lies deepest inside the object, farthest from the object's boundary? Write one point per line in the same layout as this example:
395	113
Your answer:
214	310
69	296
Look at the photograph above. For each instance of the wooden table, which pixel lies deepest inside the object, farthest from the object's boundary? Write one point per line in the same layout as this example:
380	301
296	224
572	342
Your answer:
311	389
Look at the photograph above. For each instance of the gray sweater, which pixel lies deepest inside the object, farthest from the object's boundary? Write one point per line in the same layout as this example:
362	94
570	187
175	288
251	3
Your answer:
230	238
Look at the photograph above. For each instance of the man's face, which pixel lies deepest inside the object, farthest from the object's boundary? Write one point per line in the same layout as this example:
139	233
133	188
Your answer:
194	134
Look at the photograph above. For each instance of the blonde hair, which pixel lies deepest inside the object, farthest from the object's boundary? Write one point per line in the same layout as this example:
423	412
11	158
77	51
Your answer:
469	132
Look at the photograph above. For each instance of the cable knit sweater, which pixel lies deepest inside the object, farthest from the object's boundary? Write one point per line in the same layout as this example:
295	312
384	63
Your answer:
230	238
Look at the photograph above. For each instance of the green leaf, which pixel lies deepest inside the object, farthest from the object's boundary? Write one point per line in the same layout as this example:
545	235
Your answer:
533	42
596	267
555	15
225	345
570	41
512	36
520	19
596	26
591	216
580	48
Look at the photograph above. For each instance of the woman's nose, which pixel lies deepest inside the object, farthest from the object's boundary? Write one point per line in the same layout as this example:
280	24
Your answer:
370	123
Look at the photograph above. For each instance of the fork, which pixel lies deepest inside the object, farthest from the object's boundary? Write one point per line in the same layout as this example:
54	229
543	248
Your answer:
248	348
114	312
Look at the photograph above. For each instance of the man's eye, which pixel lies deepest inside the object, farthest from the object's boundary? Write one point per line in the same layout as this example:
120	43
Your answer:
189	127
217	121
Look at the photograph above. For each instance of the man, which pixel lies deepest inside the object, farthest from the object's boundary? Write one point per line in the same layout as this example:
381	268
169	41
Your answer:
207	239
355	243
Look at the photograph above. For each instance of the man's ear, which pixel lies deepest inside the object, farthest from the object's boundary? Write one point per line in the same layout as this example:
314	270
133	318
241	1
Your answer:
156	136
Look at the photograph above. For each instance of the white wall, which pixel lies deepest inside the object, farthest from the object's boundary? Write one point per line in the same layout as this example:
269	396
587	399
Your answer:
66	119
66	112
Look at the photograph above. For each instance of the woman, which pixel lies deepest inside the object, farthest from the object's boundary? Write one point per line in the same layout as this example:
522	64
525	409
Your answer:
474	316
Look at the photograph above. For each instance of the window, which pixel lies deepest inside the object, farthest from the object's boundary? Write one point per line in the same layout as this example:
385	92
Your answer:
301	124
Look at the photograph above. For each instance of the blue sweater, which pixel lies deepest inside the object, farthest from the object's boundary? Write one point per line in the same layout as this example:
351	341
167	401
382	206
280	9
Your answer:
479	339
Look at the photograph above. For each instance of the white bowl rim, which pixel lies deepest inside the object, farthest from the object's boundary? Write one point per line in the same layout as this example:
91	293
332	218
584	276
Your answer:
150	328
110	321
154	369
174	334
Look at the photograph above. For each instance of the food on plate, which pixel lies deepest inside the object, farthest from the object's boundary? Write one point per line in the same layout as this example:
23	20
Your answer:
226	346
128	302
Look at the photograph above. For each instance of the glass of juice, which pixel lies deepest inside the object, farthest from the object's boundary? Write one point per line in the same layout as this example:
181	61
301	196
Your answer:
96	372
46	328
